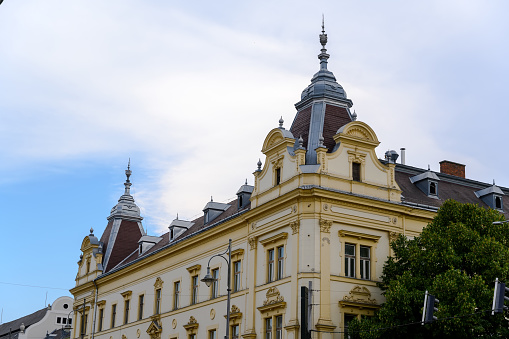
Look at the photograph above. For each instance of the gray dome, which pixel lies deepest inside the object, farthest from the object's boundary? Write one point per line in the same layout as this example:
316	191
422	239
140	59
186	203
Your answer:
323	84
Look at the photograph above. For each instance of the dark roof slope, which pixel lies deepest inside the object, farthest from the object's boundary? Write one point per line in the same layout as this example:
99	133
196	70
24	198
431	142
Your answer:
13	326
125	243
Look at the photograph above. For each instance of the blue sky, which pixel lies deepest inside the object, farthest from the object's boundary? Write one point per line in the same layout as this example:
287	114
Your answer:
189	91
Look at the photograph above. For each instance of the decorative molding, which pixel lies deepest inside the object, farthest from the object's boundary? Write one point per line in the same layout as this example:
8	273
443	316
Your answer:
127	294
154	329
393	236
354	156
192	325
295	225
345	233
138	333
277	162
235	315
212	314
253	241
174	323
325	225
159	283
237	254
274	300
194	270
275	238
359	295
124	336
101	303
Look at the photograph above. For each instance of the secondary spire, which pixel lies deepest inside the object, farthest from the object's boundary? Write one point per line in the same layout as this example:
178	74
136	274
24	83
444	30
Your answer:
127	183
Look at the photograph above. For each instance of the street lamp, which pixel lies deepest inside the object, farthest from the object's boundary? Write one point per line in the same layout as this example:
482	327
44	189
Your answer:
209	279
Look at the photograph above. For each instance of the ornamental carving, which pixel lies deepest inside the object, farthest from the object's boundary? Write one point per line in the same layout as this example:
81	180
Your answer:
252	242
234	309
393	236
325	225
273	297
358	133
360	295
192	320
154	329
295	225
192	325
277	162
356	157
159	283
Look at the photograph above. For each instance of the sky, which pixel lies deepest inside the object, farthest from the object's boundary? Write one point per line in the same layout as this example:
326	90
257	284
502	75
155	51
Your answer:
189	90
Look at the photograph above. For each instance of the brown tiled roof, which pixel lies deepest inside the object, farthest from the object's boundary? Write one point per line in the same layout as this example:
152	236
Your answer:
335	118
300	126
125	243
105	237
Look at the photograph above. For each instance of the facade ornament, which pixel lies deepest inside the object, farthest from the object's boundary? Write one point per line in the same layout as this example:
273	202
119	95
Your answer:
295	225
259	164
252	242
235	309
393	236
325	225
159	283
359	295
154	329
354	116
273	297
281	121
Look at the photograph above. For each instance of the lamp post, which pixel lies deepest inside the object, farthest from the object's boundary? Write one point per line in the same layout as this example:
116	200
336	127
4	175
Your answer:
209	279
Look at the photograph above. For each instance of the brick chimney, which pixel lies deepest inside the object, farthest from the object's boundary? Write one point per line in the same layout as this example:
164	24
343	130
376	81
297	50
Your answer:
452	168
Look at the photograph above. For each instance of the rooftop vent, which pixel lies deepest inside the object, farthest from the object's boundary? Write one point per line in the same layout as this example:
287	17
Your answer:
452	168
391	156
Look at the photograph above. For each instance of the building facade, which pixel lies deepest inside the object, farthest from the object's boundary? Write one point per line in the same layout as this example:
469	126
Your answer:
322	213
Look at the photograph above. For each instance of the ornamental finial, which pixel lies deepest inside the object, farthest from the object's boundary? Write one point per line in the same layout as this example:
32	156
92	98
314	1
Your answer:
323	56
127	183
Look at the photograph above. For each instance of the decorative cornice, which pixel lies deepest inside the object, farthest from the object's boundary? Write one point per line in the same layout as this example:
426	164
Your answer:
275	238
194	270
274	300
127	294
192	325
359	295
344	233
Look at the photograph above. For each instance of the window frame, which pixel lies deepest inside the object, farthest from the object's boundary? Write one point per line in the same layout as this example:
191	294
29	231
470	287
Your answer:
157	300
113	315
272	261
214	287
176	294
141	306
195	285
358	240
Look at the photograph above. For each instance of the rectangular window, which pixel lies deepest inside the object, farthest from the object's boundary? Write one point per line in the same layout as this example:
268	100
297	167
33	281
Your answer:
365	262
214	292
192	336
270	265
280	262
236	276
278	176
84	320
350	260
356	171
64	320
348	319
268	328
194	292
113	314
126	311
212	334
176	295
59	320
235	331
101	316
141	301
279	327
158	302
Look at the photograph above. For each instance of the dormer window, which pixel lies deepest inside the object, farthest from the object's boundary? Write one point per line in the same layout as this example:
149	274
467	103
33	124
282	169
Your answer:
492	196
278	176
427	182
356	171
432	188
498	202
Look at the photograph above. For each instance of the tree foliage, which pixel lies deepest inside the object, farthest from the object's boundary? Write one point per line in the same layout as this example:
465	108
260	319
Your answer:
456	258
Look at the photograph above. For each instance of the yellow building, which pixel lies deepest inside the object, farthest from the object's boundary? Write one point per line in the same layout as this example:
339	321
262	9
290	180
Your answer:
323	210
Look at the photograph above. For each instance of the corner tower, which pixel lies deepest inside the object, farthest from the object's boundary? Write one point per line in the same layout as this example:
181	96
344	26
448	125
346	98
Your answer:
323	109
124	229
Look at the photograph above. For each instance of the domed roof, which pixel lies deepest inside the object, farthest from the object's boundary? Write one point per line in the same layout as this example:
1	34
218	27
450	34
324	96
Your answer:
323	83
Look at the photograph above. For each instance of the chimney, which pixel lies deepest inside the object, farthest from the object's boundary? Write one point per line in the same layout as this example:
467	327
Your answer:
452	168
402	155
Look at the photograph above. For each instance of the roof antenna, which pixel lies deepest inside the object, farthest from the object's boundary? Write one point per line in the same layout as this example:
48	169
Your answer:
177	216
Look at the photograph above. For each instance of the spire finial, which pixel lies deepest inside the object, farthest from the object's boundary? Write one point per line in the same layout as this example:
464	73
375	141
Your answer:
321	139
323	56
354	116
211	198
246	182
493	182
281	121
428	168
91	231
301	142
127	183
177	216
259	164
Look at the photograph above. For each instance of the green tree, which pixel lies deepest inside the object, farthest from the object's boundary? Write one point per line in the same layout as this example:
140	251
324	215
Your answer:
456	258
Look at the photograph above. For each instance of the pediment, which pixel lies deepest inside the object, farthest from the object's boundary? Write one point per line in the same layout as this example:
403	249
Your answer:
357	131
277	137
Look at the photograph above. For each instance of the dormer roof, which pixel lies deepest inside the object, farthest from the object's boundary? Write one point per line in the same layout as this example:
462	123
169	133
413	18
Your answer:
489	190
426	175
